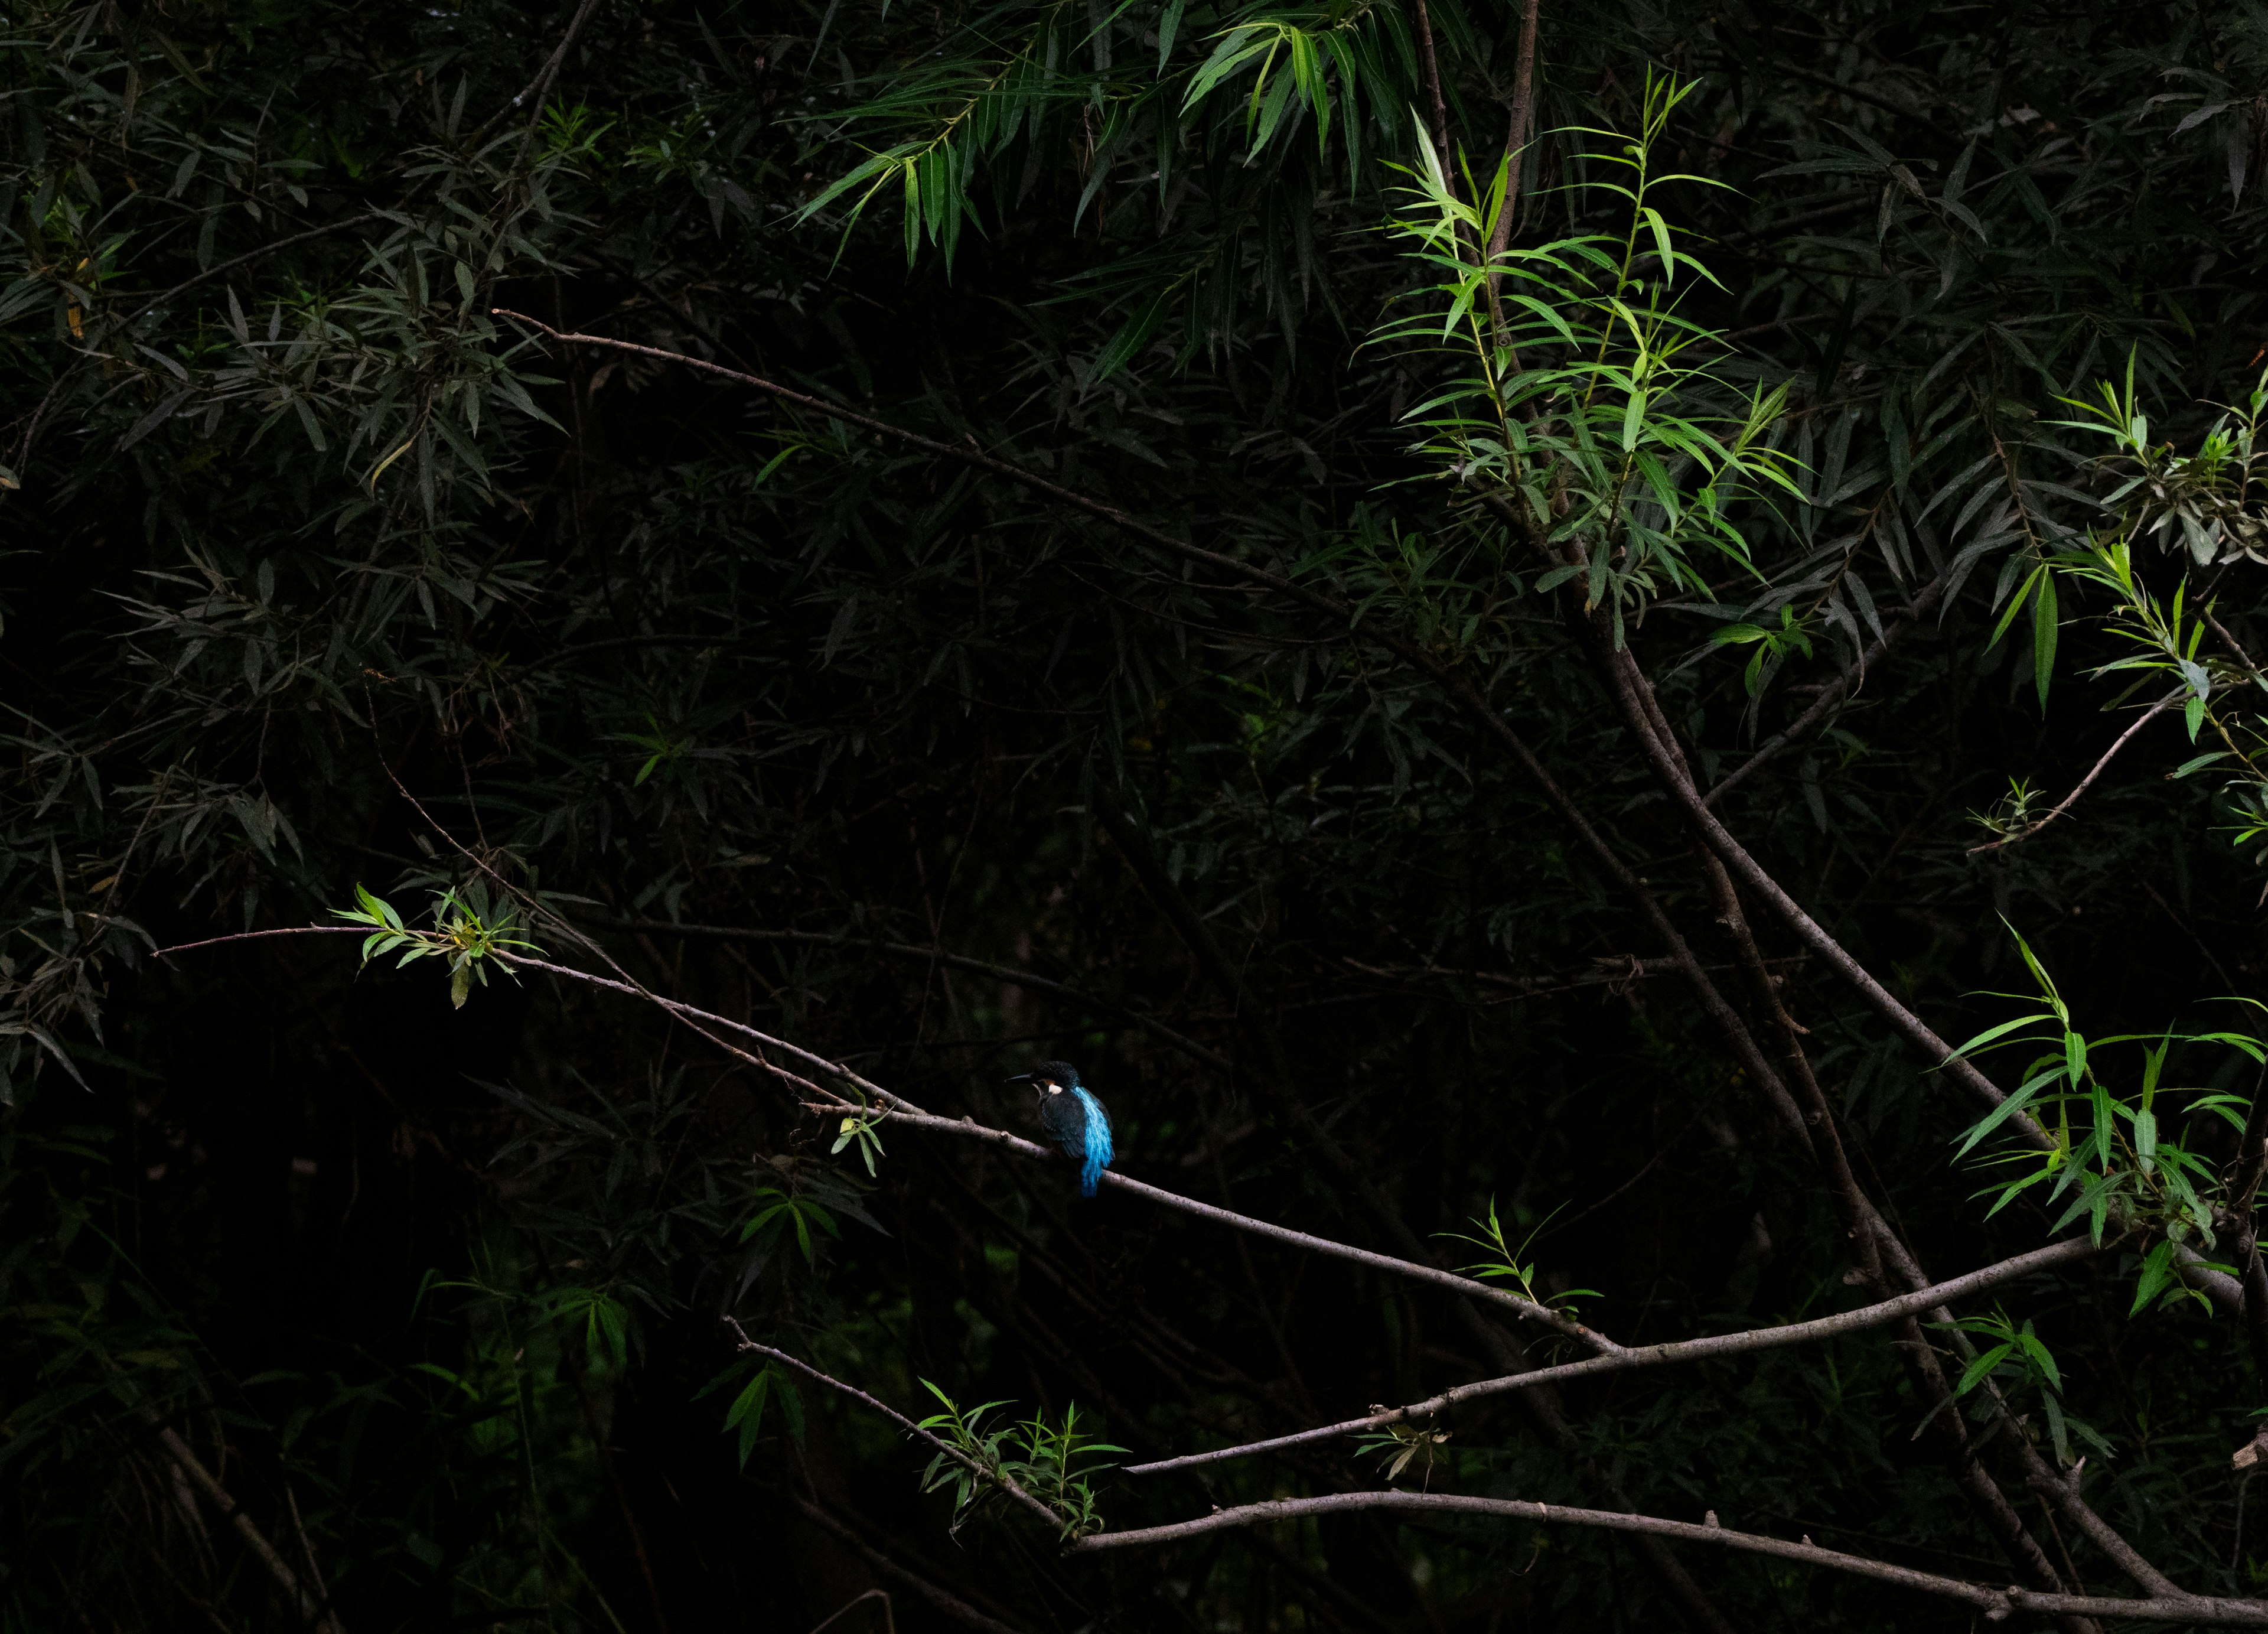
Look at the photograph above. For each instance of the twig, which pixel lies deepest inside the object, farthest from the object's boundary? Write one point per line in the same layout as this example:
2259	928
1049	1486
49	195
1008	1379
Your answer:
1459	686
1715	1345
1752	873
2085	783
340	225
2244	1186
952	1605
1407	1269
908	950
1996	1603
540	86
255	936
1437	110
1053	1520
889	1617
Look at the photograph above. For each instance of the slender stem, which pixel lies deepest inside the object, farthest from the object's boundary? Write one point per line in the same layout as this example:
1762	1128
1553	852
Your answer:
257	936
1707	1349
308	1605
1752	873
1053	1520
1189	1047
952	1605
340	226
2085	783
902	1111
1996	1603
2244	1188
540	86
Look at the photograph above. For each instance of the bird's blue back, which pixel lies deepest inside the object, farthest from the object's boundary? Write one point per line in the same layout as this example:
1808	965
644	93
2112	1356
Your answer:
1097	1152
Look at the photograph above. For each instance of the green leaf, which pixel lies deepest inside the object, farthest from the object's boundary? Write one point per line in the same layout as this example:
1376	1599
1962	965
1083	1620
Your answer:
2157	1275
2043	635
1985	1362
2040	1357
747	1413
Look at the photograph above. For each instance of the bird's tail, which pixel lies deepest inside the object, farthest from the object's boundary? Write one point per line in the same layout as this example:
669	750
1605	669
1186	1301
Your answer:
1099	1150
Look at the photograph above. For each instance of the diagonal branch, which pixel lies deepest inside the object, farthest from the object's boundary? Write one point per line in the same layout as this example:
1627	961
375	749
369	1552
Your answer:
1457	685
1753	874
900	1110
1996	1603
1165	1034
1515	144
1053	1520
1701	1350
952	1605
311	1609
2085	783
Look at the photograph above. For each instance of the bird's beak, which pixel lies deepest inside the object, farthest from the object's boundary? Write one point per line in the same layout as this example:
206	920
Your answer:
1021	1077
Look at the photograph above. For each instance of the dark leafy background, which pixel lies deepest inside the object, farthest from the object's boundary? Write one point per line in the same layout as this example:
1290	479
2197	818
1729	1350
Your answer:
317	574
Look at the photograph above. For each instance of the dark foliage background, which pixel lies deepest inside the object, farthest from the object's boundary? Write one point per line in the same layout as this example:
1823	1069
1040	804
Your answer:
317	573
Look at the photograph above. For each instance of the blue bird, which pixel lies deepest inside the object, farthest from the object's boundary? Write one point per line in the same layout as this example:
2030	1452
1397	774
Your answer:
1074	1118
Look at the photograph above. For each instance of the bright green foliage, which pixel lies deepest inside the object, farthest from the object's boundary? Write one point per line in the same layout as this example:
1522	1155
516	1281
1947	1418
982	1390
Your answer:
1592	418
1504	1261
471	926
2117	1162
1046	1462
2017	1362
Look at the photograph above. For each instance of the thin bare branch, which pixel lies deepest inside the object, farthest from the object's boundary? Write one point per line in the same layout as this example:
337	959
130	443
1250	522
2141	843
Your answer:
1996	1603
258	936
900	1110
2088	782
1707	1349
1753	874
1158	1030
960	1610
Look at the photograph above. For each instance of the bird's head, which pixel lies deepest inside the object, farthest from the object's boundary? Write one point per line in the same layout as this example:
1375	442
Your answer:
1051	1078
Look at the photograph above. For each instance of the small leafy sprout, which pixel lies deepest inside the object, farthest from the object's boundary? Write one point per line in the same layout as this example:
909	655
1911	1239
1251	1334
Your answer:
2018	810
799	1214
471	926
1400	1444
1773	644
861	1127
1041	1459
1506	1263
663	752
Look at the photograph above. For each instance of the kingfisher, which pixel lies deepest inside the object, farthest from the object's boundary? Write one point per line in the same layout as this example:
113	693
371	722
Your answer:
1074	1118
